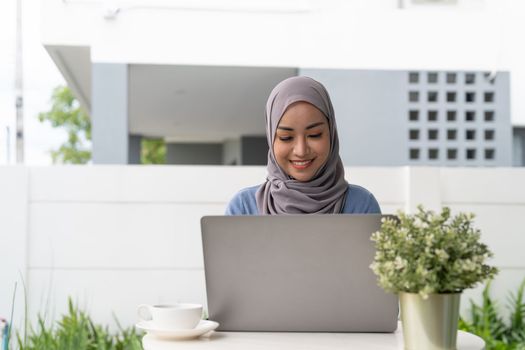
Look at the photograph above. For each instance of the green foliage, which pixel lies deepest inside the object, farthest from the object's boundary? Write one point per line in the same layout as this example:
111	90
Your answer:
66	113
153	151
77	331
486	322
430	253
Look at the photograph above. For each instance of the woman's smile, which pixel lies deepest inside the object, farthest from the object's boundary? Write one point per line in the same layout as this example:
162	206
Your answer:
301	164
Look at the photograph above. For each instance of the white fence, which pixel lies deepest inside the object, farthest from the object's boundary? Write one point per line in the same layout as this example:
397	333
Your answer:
113	237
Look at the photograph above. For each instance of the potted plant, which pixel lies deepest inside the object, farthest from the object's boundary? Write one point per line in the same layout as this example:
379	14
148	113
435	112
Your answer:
428	259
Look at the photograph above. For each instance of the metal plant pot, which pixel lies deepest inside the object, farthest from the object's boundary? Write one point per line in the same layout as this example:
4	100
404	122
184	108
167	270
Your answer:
430	324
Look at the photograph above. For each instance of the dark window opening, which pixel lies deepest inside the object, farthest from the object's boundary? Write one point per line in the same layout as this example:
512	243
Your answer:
470	97
489	116
471	153
488	97
489	135
413	77
470	78
433	153
470	134
433	134
432	77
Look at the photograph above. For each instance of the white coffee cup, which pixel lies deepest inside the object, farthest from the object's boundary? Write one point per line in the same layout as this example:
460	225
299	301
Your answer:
171	316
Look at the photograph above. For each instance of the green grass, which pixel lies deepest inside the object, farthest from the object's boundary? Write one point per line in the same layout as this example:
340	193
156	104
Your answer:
76	331
487	322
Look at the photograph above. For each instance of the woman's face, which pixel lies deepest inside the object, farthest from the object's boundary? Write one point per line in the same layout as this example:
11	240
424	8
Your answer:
302	141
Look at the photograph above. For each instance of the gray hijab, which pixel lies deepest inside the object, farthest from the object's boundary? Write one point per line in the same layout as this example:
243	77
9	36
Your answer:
326	191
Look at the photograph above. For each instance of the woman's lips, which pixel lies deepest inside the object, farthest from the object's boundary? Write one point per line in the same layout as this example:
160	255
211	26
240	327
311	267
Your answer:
301	164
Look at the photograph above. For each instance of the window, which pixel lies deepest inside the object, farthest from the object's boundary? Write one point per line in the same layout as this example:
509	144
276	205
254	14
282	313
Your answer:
413	77
432	96
451	96
432	78
433	153
452	134
470	134
433	134
488	97
470	116
471	153
413	96
489	153
414	153
451	78
451	116
470	97
413	134
470	78
413	115
489	116
432	116
489	134
452	153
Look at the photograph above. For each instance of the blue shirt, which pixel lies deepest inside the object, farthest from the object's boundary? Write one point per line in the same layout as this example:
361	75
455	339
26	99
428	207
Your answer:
358	201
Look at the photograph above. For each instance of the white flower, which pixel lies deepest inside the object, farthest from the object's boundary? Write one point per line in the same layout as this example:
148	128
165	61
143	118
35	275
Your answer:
429	239
442	255
400	263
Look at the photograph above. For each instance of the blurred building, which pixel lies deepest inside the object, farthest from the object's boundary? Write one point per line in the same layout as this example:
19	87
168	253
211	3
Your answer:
410	85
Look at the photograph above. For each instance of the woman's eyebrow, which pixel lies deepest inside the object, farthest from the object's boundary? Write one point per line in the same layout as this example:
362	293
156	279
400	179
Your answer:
311	126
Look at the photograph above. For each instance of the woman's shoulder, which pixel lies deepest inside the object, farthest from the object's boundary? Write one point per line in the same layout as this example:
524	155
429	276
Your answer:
243	203
359	200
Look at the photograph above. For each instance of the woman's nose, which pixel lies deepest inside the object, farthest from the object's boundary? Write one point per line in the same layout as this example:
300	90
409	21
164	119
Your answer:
301	147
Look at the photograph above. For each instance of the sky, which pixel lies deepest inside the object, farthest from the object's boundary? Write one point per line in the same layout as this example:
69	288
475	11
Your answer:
40	77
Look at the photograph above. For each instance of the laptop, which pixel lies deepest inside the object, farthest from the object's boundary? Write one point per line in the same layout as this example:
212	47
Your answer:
295	273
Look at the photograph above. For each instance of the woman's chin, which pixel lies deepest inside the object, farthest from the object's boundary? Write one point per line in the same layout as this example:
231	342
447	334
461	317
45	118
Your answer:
302	177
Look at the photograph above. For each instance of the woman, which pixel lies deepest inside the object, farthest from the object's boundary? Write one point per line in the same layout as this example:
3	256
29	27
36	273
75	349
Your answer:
305	172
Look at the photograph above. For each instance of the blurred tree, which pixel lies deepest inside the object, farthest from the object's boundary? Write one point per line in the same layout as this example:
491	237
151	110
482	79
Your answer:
153	151
66	113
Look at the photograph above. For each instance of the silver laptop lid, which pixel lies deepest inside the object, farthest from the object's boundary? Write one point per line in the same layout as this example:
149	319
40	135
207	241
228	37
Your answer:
295	273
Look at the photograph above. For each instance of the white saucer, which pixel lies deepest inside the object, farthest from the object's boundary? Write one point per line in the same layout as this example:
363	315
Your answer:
203	327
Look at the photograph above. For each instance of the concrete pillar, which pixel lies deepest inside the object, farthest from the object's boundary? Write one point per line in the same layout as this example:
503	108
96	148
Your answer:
109	113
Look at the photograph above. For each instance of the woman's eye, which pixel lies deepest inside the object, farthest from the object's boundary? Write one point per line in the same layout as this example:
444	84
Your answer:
285	138
316	136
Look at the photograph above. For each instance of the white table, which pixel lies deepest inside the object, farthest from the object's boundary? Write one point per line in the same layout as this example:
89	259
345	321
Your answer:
303	341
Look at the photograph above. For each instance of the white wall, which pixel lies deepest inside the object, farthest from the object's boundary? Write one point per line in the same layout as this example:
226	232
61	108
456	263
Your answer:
113	237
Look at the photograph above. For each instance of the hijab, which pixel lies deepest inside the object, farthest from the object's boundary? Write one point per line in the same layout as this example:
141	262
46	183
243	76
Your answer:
326	191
